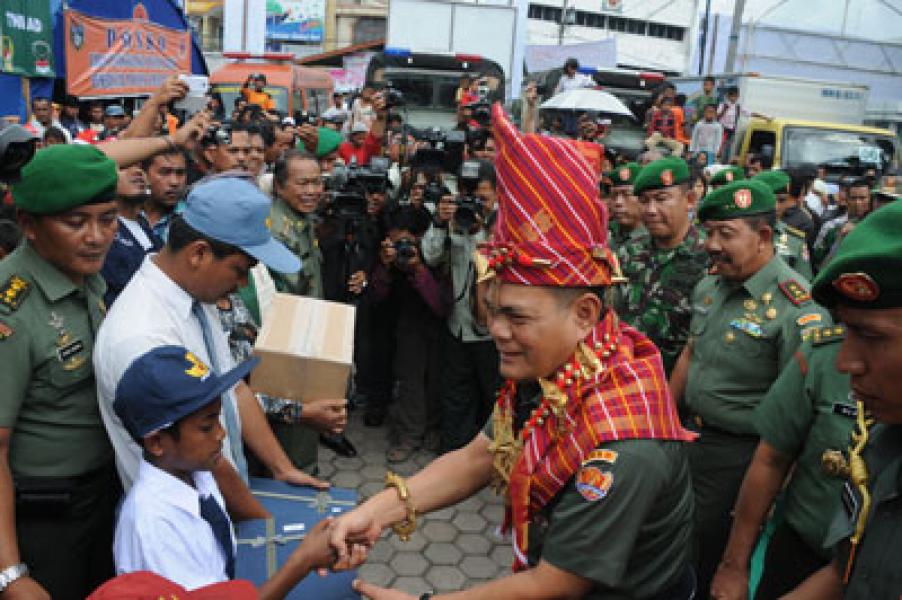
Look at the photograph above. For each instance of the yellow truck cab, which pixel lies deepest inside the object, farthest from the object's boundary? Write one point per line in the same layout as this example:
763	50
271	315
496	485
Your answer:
292	87
841	148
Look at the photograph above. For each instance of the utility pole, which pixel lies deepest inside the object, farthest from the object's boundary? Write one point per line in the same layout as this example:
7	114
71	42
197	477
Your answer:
738	9
703	45
565	20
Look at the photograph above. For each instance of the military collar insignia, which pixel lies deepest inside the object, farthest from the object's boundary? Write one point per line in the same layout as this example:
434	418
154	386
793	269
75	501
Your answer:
742	198
14	291
667	177
860	287
793	290
826	335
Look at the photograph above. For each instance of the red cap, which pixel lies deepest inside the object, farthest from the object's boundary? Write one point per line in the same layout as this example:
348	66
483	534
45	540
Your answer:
552	226
144	585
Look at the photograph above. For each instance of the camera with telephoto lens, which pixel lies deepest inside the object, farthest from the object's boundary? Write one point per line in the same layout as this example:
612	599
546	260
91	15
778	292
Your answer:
443	150
469	206
405	252
348	186
17	148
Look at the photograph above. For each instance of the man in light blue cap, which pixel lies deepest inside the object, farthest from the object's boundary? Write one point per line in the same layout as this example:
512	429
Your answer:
171	300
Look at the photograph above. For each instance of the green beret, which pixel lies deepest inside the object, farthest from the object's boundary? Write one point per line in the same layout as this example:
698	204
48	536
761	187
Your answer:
63	177
661	173
625	174
327	142
776	180
866	271
735	200
728	175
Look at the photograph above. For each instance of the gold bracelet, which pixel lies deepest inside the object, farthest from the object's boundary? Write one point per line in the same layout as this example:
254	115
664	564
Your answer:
406	527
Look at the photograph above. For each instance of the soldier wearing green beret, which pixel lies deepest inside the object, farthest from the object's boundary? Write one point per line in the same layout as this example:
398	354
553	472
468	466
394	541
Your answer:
663	266
804	422
789	241
749	316
863	284
58	523
727	175
626	215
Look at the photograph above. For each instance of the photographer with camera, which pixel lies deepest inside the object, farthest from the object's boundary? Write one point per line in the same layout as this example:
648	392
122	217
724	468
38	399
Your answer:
422	300
228	147
471	360
257	94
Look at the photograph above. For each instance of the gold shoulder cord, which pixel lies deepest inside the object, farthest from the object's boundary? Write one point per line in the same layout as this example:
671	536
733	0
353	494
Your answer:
858	476
406	527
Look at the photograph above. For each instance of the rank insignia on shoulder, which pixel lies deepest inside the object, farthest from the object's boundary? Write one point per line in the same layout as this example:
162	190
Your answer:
826	335
5	331
14	292
594	479
793	290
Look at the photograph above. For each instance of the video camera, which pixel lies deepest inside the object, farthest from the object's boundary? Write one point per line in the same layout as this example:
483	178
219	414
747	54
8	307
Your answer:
470	210
482	112
393	97
347	188
444	152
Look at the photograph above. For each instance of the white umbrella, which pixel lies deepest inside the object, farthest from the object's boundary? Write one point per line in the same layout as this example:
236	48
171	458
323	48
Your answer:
589	100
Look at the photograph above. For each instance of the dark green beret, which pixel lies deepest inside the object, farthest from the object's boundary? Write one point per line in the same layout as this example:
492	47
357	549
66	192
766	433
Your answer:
661	173
63	177
735	200
327	142
776	180
866	271
728	175
625	174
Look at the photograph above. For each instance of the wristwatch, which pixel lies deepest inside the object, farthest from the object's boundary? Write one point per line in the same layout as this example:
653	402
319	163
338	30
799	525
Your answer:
11	574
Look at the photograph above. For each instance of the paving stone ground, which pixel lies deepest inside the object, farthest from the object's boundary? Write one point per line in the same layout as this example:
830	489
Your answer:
452	549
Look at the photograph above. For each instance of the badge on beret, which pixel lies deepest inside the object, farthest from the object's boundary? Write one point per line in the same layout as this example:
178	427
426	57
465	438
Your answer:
667	177
728	175
857	286
198	369
742	198
594	479
624	174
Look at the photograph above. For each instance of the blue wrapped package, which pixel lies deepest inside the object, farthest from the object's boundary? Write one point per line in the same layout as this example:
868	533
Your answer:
265	544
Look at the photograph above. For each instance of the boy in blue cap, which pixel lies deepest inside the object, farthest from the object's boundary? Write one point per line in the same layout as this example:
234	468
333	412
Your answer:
173	521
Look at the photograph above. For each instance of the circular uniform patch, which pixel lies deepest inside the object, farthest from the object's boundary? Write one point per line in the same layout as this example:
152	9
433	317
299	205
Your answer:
857	286
624	174
742	198
667	177
593	484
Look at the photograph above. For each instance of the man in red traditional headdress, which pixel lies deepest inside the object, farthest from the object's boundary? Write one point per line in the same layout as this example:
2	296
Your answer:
584	442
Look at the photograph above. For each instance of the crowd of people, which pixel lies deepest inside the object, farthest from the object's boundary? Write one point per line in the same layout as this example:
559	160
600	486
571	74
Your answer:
659	363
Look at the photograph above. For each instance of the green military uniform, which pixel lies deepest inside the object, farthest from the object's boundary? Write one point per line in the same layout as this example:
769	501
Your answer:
742	335
60	458
790	245
298	233
866	274
656	298
789	242
624	543
618	237
807	412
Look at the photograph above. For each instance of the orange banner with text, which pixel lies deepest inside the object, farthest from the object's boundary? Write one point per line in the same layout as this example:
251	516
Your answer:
117	57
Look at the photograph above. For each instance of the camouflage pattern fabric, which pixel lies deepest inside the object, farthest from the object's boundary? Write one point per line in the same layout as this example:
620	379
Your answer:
656	299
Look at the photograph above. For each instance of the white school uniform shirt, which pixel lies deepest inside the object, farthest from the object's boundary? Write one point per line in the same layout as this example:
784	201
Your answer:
151	311
160	529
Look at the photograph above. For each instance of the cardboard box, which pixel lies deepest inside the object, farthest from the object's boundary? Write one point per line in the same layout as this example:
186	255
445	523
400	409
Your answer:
306	347
265	545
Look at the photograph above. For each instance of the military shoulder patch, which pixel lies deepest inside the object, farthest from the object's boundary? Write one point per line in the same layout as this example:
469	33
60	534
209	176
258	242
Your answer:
14	292
827	335
5	331
793	231
594	479
793	290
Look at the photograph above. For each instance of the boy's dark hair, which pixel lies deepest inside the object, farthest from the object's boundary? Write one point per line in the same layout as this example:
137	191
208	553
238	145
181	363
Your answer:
487	173
407	218
147	162
55	133
181	234
680	100
732	90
